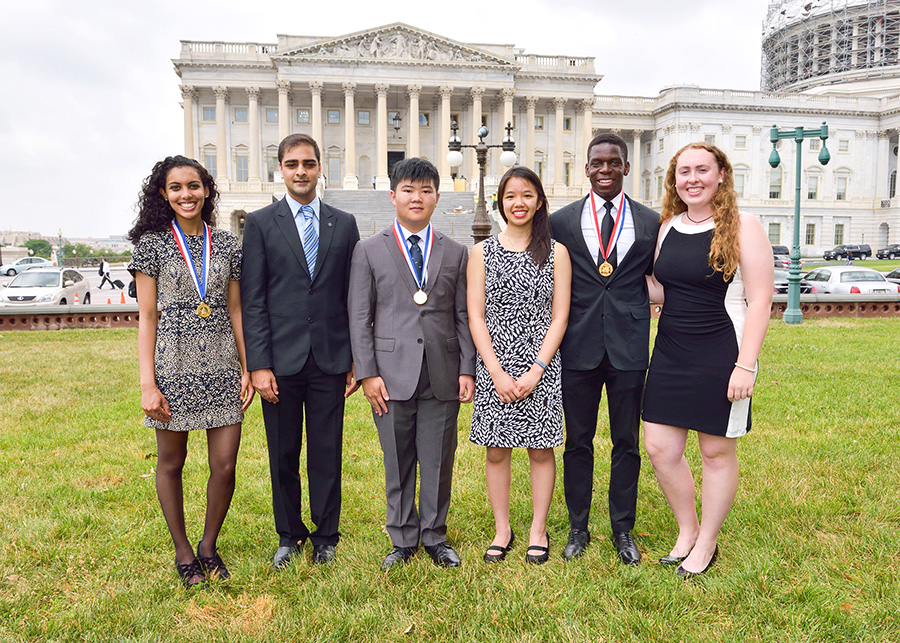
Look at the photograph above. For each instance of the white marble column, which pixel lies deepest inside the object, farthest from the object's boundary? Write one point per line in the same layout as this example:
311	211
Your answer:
221	141
315	116
253	124
882	178
284	109
412	121
445	91
528	157
587	133
382	182
759	156
475	94
636	163
188	94
559	184
351	181
507	94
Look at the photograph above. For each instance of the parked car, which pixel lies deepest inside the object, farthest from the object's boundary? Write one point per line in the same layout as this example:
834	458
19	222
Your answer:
857	251
891	252
23	264
780	250
893	276
850	279
45	287
781	284
784	261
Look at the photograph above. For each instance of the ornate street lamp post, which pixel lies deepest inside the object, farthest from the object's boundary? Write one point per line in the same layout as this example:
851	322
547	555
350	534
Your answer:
793	314
481	225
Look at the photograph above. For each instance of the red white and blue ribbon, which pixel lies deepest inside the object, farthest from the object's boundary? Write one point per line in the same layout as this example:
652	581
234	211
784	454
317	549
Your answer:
404	248
616	231
181	241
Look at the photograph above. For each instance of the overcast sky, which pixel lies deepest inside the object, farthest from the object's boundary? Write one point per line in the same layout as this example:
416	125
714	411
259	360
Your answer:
91	100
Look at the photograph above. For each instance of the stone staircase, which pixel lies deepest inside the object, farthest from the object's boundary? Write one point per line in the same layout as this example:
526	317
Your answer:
374	211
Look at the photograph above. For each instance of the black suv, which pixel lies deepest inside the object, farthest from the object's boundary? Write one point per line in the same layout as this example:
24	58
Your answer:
780	250
891	252
857	251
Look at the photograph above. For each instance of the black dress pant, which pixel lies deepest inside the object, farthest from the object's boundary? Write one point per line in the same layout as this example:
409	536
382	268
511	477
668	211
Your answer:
582	391
319	397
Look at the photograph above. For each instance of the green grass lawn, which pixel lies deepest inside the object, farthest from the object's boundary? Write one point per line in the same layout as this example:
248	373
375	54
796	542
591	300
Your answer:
810	552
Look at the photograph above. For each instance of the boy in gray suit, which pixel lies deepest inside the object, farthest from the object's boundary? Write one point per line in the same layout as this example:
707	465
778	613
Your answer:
414	357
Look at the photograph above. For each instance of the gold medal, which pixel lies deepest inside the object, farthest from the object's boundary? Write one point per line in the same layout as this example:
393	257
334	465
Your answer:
420	297
203	310
606	269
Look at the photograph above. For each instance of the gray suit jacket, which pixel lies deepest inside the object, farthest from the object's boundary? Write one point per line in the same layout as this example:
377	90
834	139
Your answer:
390	334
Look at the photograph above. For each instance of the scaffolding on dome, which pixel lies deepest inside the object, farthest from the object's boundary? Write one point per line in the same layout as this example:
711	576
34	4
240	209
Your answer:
819	42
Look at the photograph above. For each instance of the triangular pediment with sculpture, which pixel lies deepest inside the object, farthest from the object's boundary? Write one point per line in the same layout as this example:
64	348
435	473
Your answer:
399	43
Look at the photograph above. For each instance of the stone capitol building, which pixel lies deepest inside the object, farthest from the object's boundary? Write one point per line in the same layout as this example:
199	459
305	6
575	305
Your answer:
377	96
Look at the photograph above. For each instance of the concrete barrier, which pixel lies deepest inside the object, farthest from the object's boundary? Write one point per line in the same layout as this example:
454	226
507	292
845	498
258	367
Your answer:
59	317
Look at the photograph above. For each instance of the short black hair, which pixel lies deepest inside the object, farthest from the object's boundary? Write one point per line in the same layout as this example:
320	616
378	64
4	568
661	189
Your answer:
293	140
614	139
414	170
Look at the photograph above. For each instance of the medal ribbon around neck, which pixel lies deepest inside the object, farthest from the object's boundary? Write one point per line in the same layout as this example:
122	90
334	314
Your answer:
616	231
404	248
181	242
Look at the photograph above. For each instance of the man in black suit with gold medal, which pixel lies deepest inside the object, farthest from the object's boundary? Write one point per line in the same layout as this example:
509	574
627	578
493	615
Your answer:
611	241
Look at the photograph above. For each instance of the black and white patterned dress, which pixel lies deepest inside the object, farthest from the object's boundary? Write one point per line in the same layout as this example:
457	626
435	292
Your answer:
518	307
196	360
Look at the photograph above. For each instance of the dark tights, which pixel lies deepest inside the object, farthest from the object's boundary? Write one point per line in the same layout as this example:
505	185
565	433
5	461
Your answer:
223	443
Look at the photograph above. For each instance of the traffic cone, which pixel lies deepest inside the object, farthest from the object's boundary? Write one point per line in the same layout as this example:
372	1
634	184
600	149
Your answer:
108	300
76	298
123	297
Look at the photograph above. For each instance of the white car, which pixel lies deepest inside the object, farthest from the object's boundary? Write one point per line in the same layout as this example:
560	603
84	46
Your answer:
46	287
850	280
23	264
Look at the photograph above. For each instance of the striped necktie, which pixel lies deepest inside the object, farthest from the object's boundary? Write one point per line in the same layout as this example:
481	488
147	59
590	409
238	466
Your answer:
310	237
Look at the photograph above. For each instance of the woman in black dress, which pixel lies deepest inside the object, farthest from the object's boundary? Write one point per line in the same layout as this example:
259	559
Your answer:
190	347
714	267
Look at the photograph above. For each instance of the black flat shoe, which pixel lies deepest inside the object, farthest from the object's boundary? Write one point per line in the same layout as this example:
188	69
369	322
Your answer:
681	571
501	551
671	560
189	572
212	566
543	557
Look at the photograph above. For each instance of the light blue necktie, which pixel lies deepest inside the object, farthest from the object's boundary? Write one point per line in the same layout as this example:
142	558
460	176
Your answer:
310	237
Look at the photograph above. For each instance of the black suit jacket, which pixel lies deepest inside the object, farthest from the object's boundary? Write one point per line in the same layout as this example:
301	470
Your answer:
608	315
287	315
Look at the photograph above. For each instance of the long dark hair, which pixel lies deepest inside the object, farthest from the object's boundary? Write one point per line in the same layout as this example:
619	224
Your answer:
539	245
154	211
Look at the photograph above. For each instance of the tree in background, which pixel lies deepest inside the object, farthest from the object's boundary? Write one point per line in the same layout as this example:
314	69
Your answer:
39	247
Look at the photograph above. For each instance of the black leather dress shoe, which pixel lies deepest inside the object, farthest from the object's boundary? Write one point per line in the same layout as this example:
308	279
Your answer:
671	560
323	554
443	555
626	547
285	554
681	571
496	553
578	540
397	555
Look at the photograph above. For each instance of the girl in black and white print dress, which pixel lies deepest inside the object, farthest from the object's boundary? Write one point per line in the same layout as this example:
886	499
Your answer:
518	299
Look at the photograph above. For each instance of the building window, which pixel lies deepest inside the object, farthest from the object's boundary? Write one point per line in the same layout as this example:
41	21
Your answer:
243	168
815	144
647	187
810	234
362	117
739	180
840	193
539	169
567	123
484	119
648	148
844	145
660	145
892	185
567	172
812	187
838	234
240	114
302	115
272	165
334	172
424	119
775	233
209	161
775	183
740	142
659	187
538	122
271	114
334	117
710	138
454	118
209	113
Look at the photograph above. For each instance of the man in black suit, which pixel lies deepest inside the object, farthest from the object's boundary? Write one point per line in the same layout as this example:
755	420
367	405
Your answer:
294	284
611	241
